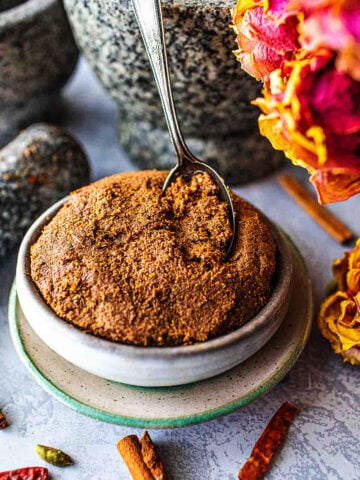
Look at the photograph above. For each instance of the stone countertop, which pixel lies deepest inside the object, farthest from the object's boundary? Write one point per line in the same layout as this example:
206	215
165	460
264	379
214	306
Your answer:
323	442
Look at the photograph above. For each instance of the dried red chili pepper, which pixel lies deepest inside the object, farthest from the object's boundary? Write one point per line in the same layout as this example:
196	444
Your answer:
269	443
3	422
29	473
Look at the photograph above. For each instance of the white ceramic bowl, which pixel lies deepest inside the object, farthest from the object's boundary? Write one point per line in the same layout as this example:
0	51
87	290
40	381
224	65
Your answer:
150	366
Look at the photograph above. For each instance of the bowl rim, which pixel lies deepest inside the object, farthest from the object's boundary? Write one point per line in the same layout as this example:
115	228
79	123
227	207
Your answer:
282	285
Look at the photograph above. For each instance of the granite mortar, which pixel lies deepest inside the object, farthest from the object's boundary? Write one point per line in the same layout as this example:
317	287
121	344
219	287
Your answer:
212	93
38	55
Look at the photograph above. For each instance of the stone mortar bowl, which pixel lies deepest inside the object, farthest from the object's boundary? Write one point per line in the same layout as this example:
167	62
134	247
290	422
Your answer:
211	91
37	56
151	366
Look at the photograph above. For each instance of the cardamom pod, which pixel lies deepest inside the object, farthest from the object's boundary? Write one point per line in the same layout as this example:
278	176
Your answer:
54	456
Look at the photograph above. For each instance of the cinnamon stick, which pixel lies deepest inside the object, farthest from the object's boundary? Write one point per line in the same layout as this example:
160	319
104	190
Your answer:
323	217
141	458
151	458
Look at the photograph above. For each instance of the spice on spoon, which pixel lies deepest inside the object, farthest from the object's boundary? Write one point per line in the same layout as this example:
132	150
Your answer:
270	441
141	458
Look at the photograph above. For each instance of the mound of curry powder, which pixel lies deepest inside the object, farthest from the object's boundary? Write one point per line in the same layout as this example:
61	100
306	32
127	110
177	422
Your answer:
124	261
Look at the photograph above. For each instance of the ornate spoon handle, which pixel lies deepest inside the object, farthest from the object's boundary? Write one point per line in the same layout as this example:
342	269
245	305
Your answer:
151	25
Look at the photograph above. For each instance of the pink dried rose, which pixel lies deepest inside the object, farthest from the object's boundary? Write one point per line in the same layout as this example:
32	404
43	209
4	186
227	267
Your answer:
264	43
307	53
335	25
314	117
278	10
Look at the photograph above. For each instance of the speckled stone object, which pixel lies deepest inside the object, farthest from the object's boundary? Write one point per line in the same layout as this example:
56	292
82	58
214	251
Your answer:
41	165
37	56
212	93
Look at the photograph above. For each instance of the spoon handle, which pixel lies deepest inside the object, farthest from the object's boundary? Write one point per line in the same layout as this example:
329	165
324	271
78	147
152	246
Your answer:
150	20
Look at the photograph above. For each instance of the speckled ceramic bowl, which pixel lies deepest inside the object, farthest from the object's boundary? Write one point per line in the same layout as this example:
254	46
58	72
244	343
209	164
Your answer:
153	366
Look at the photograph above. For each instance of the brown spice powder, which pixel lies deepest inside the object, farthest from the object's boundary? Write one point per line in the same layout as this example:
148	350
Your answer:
123	261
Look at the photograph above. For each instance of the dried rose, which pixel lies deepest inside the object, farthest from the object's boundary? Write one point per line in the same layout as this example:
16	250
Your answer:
339	319
312	112
335	25
265	42
307	53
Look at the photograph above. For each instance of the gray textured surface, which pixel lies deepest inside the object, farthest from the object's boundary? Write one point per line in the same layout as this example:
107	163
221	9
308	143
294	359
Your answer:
324	440
211	92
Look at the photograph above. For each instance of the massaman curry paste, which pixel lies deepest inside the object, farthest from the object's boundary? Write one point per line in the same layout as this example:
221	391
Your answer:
126	262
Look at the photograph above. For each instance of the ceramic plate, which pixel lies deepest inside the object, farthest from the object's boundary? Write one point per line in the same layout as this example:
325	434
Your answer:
169	406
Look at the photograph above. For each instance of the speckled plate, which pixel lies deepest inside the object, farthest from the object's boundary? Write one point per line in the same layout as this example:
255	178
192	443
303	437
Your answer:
169	406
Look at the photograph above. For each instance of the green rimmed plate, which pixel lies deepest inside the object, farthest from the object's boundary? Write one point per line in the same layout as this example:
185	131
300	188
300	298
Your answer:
177	406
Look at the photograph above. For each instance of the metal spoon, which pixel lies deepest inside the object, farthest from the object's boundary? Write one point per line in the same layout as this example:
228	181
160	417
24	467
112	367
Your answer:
150	21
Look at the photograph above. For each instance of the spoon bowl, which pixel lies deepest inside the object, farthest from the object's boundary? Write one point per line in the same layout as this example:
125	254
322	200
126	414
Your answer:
194	167
150	20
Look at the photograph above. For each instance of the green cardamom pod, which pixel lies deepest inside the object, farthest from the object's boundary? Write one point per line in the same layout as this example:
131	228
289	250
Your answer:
54	456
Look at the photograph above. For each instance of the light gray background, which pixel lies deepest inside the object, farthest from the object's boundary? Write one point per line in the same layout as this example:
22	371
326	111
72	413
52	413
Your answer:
324	440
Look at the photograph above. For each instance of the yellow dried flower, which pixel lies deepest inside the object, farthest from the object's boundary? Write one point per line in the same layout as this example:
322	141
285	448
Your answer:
339	319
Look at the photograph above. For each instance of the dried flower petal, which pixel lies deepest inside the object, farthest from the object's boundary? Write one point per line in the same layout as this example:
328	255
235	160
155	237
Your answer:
339	319
278	10
334	25
264	43
312	112
307	53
